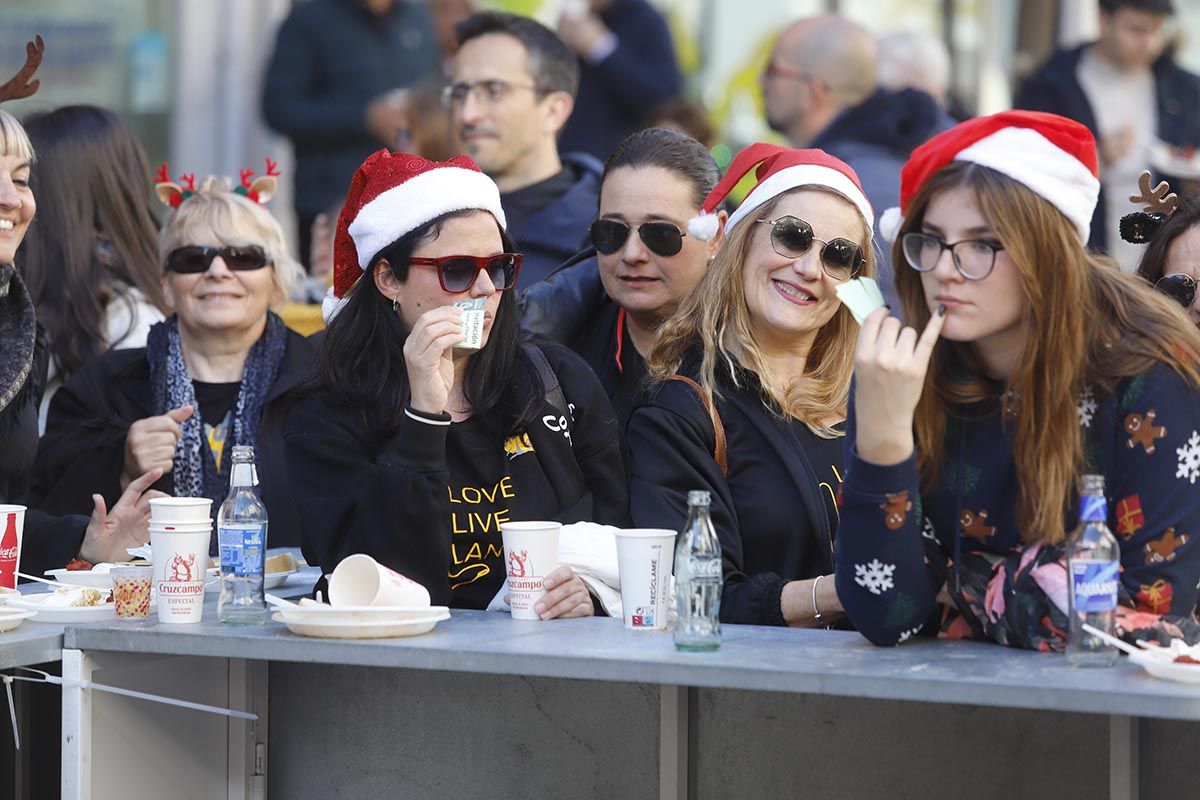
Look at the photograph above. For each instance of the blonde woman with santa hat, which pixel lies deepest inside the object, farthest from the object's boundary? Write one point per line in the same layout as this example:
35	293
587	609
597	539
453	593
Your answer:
752	377
413	443
1030	362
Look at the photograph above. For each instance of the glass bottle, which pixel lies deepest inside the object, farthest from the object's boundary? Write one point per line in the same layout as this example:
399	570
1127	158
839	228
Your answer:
1093	574
698	579
242	537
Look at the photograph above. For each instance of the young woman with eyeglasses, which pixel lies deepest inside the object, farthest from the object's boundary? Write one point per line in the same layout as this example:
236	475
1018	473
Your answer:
1172	258
1030	363
767	347
413	449
208	376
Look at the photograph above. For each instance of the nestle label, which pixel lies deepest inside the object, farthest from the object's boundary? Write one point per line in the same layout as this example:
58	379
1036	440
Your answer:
1094	585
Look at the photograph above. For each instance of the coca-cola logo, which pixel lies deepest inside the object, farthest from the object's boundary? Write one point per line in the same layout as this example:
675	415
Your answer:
8	553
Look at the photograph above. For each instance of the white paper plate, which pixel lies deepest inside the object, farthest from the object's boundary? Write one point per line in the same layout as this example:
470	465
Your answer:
353	615
384	629
273	580
81	577
37	602
1164	669
12	617
1169	161
7	594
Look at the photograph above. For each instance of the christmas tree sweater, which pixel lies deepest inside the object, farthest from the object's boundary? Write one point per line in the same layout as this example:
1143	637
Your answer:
897	545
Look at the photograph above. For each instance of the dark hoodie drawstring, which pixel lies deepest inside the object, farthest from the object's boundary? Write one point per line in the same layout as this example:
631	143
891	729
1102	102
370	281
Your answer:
958	501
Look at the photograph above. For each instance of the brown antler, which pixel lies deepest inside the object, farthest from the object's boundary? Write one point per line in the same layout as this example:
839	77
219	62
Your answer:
20	85
1157	200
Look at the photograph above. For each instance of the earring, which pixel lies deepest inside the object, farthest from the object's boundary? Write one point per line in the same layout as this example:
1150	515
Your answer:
395	304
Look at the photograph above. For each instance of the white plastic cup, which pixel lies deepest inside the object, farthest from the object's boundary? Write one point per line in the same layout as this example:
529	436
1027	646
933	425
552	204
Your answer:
180	566
182	527
645	557
530	554
180	509
12	531
360	580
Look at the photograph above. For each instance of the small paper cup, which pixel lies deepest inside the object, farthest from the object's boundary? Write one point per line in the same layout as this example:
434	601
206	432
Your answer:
645	557
360	580
472	323
180	509
530	554
131	592
12	531
180	565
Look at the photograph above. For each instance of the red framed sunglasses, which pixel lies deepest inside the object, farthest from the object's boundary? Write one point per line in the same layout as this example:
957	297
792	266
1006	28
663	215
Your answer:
457	274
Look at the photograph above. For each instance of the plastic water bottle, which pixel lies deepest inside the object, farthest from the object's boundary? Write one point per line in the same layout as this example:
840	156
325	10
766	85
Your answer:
242	536
698	579
1093	569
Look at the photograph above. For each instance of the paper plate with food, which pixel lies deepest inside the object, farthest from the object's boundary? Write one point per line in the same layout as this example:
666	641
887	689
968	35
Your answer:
12	617
78	604
1176	162
7	594
1180	662
278	568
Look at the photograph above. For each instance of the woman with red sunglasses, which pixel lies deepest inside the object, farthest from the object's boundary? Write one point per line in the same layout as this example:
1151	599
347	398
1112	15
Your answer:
208	376
767	349
413	442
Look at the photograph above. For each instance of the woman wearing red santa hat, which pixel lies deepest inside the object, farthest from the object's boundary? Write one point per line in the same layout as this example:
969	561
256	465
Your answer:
413	447
765	344
1030	363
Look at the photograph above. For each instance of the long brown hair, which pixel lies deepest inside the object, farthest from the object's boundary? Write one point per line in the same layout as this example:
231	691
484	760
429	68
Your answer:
1088	325
715	318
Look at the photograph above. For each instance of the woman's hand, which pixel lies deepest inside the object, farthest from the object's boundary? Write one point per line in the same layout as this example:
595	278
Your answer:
427	355
110	533
890	363
566	596
150	443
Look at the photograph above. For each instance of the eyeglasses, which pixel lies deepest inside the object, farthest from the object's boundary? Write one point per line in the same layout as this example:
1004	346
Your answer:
792	237
1178	286
973	258
457	274
487	92
194	259
661	238
774	69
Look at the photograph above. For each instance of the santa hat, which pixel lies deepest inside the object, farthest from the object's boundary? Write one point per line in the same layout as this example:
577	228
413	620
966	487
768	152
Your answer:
392	194
779	169
1053	156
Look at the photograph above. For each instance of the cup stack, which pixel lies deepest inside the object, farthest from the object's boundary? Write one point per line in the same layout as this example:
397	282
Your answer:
180	530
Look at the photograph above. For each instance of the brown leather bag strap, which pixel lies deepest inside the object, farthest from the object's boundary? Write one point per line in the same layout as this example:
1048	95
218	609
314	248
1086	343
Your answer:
718	428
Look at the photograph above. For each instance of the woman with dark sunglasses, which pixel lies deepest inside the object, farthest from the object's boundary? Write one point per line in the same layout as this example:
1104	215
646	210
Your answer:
208	376
608	307
765	350
1172	258
411	444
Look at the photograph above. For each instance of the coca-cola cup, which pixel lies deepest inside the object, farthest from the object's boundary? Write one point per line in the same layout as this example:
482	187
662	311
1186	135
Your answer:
360	580
644	560
12	529
530	554
180	564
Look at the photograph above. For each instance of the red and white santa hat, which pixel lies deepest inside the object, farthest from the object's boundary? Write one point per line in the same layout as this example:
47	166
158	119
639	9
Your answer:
1053	156
779	169
392	194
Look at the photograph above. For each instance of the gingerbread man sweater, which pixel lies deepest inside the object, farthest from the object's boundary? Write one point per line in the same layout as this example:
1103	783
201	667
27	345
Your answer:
897	545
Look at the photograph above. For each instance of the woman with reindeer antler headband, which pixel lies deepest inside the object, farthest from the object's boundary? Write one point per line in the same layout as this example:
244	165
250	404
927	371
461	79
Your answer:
1170	228
209	374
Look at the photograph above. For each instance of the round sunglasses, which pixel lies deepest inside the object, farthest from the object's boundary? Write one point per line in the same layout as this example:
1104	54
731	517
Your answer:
1178	286
457	274
194	259
660	238
792	237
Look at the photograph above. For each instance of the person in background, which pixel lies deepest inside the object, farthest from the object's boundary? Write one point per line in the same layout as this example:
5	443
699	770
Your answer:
1029	362
208	376
1128	90
767	348
512	90
331	86
820	90
413	449
90	263
918	60
627	69
609	307
1173	254
686	117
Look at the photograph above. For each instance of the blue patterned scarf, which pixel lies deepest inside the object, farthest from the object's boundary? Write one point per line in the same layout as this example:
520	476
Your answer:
195	470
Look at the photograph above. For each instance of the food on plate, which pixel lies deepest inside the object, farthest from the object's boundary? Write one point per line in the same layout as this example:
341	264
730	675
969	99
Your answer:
1186	660
78	564
78	597
282	562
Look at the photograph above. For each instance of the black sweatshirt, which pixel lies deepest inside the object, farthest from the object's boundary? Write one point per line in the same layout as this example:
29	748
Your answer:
775	514
428	501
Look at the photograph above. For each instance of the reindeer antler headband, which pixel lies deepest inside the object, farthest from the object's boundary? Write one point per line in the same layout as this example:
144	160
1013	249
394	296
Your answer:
260	189
20	85
1158	202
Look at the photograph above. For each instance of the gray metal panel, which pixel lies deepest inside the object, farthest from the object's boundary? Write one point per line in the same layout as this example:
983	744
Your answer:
31	643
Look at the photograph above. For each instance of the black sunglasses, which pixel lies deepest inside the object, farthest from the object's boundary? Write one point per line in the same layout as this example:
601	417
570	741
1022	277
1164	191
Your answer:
1178	286
660	238
457	274
792	237
194	258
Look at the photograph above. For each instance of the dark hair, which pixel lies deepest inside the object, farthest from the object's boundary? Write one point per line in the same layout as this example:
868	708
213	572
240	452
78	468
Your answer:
360	360
671	150
95	227
551	63
686	116
1164	7
1185	217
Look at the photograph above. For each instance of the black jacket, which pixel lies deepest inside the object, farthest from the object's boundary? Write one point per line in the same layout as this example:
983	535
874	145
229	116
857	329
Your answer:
83	449
771	512
358	492
560	229
1055	88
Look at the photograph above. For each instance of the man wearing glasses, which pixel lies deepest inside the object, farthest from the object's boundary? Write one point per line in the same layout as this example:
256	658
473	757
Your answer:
513	89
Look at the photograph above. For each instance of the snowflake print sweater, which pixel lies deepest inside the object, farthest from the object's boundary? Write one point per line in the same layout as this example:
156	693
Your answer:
896	548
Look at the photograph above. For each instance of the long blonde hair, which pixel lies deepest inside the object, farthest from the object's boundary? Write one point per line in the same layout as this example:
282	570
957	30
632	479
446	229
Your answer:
1088	325
716	318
